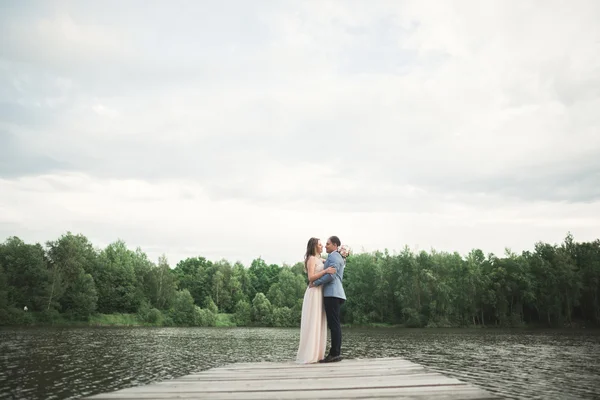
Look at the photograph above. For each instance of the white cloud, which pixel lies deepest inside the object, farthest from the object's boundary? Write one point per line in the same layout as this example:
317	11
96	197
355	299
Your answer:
449	125
179	219
105	111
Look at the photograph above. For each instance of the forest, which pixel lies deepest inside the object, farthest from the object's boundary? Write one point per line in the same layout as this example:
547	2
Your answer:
69	281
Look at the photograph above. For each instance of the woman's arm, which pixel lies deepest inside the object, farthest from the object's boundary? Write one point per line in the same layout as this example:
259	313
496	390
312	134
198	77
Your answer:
312	275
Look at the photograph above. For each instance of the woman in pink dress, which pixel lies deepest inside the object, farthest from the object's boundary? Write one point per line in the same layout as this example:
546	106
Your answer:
313	325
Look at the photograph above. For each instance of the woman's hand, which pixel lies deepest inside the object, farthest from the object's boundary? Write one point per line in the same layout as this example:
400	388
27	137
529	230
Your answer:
330	270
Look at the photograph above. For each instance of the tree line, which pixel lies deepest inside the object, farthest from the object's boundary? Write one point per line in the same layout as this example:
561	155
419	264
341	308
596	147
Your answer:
69	279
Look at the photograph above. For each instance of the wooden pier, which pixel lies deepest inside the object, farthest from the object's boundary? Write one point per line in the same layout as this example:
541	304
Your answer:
392	378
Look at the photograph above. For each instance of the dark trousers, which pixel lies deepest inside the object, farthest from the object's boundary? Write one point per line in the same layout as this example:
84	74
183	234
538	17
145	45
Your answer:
332	309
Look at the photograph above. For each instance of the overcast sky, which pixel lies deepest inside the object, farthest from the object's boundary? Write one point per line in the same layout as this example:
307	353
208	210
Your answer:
239	129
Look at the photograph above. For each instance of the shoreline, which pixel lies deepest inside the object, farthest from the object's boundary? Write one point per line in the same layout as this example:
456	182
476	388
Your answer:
123	320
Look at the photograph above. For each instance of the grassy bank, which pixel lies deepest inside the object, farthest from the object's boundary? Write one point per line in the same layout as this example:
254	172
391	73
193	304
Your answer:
222	320
56	319
118	320
373	325
225	321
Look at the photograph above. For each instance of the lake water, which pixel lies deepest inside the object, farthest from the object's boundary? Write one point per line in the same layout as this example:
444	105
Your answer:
44	363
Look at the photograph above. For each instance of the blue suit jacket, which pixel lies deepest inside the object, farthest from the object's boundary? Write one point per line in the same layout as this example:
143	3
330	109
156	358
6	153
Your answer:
332	284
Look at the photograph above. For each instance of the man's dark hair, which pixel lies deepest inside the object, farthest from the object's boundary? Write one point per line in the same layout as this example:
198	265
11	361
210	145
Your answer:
335	240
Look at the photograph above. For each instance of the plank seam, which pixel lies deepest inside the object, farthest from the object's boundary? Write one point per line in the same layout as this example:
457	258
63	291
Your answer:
320	389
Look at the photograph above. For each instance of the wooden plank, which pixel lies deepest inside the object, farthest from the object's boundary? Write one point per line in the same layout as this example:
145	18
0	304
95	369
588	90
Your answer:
367	363
323	380
303	375
324	371
433	393
331	383
351	379
319	370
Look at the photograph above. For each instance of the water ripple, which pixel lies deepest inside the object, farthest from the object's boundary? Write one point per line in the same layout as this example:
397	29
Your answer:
74	362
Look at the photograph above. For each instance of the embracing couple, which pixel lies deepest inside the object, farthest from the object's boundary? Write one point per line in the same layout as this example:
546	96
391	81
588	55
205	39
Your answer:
322	301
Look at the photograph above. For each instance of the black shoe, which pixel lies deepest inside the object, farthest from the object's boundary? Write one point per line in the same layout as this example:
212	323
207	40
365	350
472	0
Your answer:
326	359
331	358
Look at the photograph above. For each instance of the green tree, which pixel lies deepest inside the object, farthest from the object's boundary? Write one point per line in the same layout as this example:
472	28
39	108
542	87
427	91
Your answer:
70	257
3	297
142	270
262	276
361	277
408	287
161	284
81	298
553	284
193	274
184	311
27	274
116	281
262	310
240	285
243	313
204	317
587	260
287	289
221	286
282	317
298	269
211	305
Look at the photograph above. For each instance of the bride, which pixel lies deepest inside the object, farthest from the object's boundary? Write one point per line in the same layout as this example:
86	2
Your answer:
313	325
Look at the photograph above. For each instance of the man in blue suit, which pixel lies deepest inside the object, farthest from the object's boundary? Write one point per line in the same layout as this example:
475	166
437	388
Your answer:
333	296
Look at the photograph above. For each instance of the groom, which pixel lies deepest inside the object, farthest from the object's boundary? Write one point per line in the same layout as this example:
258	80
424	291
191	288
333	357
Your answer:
333	297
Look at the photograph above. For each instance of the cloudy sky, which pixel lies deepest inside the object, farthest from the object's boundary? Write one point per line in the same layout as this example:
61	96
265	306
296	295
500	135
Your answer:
238	129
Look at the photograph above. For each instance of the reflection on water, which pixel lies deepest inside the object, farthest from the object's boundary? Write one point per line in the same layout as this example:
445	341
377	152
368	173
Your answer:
69	363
